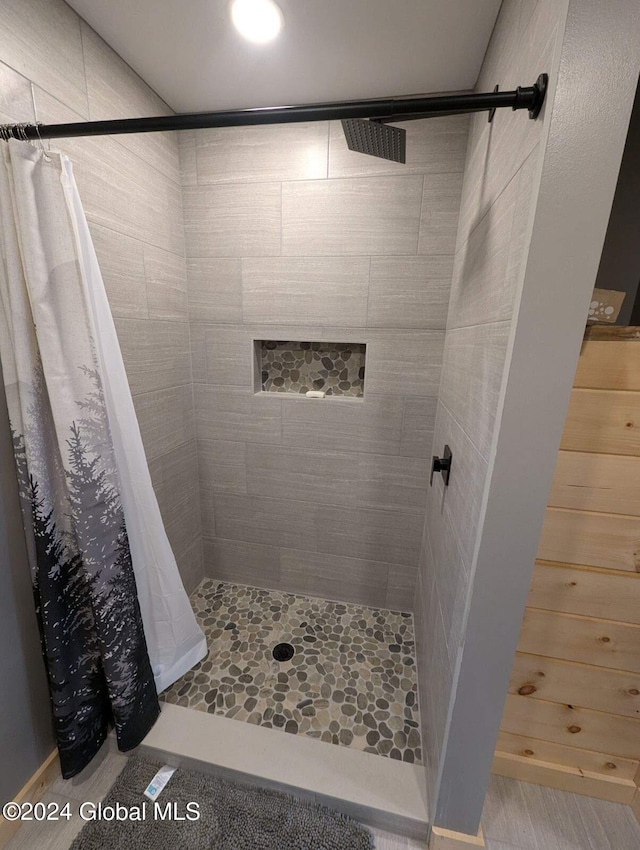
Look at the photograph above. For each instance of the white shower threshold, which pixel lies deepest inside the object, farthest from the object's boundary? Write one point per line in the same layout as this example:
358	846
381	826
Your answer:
377	791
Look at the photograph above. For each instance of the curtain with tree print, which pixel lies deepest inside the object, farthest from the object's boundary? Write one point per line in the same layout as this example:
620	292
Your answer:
92	558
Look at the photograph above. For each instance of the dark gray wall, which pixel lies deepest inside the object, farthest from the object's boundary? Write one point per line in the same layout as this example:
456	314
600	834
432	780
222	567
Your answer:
26	736
620	263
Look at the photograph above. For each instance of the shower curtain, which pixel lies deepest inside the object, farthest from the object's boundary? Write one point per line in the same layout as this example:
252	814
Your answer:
115	621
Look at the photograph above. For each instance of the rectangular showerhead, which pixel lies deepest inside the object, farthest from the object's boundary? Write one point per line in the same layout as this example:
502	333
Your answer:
376	139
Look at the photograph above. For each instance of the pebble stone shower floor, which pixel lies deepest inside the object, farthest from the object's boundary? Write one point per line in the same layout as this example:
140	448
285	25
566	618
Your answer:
351	681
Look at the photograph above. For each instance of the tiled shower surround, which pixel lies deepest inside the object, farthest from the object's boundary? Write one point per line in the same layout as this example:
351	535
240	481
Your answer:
351	681
292	236
336	368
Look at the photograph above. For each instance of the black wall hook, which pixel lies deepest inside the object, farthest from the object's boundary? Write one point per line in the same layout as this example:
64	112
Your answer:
442	465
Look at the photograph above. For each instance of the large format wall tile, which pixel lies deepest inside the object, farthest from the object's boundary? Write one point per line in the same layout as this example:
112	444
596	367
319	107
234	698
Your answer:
121	260
242	562
207	511
16	103
262	153
418	422
392	483
301	291
404	363
377	215
451	571
182	524
372	425
285	472
321	260
401	587
197	334
368	534
187	149
173	474
165	418
222	465
273	522
229	356
409	292
166	277
116	91
463	496
119	189
497	151
232	220
156	354
229	413
215	290
439	216
474	364
334	577
434	146
41	40
487	265
191	566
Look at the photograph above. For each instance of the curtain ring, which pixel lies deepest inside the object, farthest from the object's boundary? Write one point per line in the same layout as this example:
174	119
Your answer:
46	156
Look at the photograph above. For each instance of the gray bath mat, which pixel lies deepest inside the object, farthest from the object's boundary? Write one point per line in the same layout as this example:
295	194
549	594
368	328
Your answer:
232	817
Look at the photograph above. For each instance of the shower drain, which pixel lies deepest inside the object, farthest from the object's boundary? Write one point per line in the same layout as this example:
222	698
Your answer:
283	652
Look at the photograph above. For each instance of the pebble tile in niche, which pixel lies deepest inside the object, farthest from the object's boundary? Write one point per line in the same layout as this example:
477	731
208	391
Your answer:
336	368
351	680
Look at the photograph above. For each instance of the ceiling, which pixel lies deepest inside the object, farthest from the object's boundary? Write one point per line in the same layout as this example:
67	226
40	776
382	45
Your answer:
189	52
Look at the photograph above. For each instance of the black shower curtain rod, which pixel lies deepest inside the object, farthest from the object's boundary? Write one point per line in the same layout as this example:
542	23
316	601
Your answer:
390	109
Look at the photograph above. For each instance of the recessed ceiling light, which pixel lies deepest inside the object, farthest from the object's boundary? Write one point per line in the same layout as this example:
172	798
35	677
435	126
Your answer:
257	20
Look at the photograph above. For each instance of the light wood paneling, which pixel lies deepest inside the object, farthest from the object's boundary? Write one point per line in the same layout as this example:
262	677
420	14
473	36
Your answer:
635	804
610	365
613	691
592	592
588	761
446	839
33	791
597	482
574	695
565	778
572	726
603	421
591	539
592	641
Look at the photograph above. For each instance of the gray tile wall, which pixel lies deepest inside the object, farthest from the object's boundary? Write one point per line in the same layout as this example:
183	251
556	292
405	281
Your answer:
54	68
292	236
498	198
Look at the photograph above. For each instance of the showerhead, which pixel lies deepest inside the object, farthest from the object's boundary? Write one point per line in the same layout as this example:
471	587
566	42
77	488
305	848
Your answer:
375	138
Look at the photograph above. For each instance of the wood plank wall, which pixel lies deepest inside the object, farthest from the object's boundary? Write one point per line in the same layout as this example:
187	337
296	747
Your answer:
572	715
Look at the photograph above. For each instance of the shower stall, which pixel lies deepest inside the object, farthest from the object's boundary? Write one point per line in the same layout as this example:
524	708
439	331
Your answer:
309	334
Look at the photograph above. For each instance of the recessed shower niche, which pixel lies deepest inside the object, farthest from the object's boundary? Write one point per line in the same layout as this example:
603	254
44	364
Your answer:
332	368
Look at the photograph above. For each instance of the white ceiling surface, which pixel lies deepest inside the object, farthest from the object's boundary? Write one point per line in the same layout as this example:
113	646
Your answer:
189	52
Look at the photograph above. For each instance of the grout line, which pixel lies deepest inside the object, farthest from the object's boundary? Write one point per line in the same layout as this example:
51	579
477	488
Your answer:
84	65
328	147
159	390
281	216
424	177
312	180
366	320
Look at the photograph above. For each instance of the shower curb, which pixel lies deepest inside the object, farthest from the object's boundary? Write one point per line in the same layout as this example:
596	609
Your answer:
381	792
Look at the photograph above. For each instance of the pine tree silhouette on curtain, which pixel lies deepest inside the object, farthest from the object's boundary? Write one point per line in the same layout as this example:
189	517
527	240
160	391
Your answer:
58	346
85	594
